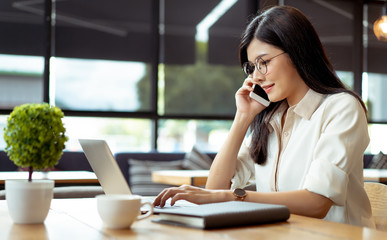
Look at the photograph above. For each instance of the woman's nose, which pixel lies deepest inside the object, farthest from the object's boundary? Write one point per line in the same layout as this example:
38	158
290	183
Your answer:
257	76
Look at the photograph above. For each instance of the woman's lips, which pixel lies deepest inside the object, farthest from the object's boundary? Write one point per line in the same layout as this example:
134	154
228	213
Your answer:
268	88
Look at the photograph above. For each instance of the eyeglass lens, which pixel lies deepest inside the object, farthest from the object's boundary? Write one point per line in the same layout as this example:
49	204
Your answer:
260	64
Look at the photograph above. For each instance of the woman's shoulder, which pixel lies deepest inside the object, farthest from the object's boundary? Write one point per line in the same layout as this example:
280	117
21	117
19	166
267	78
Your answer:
342	104
343	100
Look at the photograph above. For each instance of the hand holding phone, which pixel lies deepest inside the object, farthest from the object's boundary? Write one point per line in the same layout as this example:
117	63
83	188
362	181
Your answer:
260	95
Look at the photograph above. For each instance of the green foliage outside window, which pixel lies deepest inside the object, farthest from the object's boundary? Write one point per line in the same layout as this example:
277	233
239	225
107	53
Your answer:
197	89
200	88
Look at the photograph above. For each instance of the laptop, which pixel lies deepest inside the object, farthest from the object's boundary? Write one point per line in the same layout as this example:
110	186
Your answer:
109	173
105	166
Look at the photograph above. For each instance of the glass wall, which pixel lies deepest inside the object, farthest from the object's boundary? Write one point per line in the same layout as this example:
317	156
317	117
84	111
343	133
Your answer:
162	73
375	79
101	55
21	57
200	72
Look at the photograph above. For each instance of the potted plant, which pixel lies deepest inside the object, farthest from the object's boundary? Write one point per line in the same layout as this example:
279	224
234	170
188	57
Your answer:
35	139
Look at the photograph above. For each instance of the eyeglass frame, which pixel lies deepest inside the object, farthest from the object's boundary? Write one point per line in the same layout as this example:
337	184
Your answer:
257	64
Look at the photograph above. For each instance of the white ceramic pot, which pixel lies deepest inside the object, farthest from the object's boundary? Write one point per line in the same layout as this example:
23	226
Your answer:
28	202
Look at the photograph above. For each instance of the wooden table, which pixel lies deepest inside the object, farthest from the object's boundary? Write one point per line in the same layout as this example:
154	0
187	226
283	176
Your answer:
78	219
60	177
199	177
375	175
180	177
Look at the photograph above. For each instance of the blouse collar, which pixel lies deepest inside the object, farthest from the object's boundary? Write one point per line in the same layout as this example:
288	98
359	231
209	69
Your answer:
305	108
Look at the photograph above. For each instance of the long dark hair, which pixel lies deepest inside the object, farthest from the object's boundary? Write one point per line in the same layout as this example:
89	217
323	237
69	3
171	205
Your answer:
290	30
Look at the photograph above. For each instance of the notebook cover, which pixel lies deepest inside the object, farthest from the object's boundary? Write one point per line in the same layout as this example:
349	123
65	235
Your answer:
227	214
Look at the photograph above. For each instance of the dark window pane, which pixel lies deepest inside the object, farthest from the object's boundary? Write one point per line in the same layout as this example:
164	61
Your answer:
103	50
333	21
99	29
21	53
195	80
22	27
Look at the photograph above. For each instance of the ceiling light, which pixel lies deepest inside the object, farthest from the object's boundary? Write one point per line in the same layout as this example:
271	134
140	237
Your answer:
380	25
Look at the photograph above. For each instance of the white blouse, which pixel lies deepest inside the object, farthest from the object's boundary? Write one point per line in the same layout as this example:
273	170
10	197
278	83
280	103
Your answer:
320	148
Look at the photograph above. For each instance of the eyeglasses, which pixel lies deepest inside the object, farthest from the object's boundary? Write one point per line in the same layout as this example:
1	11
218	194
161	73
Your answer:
260	64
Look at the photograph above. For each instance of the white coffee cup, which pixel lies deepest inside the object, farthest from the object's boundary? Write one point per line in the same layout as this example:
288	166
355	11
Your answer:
120	211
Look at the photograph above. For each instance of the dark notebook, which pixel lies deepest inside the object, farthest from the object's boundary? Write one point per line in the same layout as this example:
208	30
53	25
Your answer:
224	214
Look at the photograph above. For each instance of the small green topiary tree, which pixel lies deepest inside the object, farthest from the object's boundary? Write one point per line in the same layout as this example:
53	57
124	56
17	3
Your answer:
35	136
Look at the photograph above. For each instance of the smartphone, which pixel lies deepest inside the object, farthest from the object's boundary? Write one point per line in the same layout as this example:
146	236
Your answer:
260	95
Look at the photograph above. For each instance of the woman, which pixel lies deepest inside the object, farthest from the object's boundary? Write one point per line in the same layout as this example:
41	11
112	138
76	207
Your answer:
306	148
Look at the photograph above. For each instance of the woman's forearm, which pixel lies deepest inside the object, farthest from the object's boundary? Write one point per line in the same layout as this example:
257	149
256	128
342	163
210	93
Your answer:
224	164
300	202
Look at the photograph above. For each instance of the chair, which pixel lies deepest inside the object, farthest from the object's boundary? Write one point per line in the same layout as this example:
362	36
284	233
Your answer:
377	193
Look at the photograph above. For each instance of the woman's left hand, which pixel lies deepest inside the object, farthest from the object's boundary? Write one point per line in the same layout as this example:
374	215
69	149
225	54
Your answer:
192	194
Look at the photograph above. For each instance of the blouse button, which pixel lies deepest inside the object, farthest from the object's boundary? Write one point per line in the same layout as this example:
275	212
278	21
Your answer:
286	134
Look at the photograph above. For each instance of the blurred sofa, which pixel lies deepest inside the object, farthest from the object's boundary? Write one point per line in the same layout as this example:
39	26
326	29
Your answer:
136	167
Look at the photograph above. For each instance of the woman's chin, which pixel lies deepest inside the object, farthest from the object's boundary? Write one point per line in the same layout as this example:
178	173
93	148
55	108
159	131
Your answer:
275	99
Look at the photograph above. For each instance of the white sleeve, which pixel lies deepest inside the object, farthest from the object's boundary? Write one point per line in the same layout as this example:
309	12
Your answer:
339	150
245	171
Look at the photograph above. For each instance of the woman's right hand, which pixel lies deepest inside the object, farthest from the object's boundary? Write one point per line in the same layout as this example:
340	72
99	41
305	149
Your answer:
245	104
224	165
